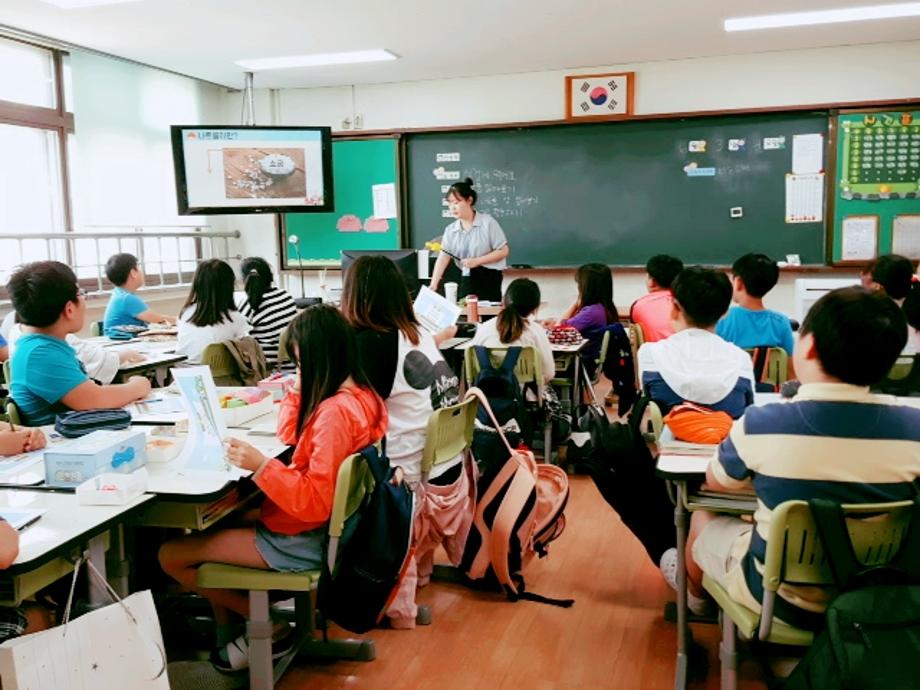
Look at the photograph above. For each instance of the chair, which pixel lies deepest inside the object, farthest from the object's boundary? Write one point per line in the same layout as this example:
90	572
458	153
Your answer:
795	555
12	412
8	371
223	367
529	369
903	379
449	433
96	329
771	365
353	483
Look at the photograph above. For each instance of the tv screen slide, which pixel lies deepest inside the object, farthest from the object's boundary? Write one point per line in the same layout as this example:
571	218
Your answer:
252	169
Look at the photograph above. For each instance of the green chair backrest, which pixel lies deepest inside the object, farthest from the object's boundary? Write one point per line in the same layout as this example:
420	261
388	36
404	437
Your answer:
449	433
529	367
282	346
95	329
655	421
8	372
12	412
776	368
223	367
602	355
794	552
353	483
901	368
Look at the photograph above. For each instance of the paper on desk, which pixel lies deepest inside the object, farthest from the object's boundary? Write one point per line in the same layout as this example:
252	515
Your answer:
434	312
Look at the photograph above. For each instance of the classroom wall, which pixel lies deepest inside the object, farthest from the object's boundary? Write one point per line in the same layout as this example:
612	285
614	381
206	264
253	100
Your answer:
825	75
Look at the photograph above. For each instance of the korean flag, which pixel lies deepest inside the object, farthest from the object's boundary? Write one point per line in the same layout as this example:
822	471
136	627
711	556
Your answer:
601	95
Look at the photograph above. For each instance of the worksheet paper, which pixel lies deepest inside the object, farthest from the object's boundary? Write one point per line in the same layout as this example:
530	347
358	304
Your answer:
805	198
384	200
807	153
860	238
905	236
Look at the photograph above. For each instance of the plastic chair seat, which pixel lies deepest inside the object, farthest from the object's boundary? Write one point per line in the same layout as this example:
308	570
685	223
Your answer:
222	576
747	621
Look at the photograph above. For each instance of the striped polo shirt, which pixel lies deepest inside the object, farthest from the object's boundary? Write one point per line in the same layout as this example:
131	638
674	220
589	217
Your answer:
834	441
274	314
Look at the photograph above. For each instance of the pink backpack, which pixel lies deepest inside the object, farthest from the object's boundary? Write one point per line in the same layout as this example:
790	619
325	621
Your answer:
519	512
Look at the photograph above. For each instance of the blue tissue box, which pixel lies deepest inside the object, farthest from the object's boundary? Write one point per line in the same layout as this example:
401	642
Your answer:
71	463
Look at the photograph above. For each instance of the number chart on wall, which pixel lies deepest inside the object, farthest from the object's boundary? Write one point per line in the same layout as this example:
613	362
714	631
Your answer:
878	186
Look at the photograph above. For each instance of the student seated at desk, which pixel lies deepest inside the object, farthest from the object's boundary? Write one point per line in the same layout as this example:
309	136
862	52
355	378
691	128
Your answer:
750	324
209	315
652	311
593	311
126	308
514	325
330	413
407	370
834	440
267	308
695	365
101	364
47	376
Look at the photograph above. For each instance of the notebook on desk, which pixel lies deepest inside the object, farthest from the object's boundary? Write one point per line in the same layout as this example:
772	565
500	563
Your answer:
20	518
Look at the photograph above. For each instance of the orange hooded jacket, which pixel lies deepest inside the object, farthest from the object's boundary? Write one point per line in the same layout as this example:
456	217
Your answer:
299	495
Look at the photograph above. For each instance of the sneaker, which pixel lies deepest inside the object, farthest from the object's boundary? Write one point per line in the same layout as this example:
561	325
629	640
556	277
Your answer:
668	566
234	656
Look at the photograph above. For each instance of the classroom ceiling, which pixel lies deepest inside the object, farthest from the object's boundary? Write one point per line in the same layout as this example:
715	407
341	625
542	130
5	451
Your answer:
203	38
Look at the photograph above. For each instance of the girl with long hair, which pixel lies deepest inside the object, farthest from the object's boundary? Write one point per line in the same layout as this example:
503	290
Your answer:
209	315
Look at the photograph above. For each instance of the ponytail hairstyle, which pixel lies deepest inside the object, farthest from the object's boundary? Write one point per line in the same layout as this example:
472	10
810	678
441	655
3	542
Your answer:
595	286
323	344
521	300
463	190
257	279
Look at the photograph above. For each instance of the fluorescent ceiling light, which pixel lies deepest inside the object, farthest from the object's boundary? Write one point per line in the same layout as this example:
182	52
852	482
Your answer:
317	59
76	4
846	14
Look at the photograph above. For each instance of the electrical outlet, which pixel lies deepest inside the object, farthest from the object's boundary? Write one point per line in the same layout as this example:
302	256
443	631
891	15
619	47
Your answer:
736	212
359	121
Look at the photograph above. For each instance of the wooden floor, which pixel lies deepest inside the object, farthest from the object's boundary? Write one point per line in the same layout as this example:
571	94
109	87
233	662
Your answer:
614	637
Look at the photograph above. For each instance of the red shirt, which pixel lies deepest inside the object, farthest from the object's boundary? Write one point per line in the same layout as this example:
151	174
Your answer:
299	496
653	312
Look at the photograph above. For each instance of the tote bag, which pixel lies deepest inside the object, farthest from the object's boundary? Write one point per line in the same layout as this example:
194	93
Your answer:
118	647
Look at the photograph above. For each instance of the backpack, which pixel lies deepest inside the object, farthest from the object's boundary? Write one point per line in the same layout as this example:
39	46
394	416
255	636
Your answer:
871	638
618	460
520	510
618	367
371	557
501	388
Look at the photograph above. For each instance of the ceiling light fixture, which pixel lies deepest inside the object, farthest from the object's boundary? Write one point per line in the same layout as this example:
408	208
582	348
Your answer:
846	14
79	4
317	60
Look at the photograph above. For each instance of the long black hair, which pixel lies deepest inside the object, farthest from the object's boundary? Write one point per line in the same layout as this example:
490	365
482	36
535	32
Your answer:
521	300
595	286
324	347
375	296
257	279
211	294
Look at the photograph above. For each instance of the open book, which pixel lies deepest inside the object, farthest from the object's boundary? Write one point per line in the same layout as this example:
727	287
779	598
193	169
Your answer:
434	312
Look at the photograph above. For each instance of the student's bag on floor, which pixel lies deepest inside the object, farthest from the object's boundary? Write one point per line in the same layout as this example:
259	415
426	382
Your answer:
370	560
520	510
113	648
871	638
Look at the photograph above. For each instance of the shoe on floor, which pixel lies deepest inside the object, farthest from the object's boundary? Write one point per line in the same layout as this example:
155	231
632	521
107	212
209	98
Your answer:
668	566
234	656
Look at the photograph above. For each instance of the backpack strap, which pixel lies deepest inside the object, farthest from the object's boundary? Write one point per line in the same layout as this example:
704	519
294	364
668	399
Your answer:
908	557
511	359
482	356
835	538
512	505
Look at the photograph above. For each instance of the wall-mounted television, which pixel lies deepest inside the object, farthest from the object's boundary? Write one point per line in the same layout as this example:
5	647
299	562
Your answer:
223	169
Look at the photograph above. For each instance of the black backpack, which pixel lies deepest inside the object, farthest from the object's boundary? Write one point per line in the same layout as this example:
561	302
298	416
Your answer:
871	638
618	459
618	367
503	391
371	557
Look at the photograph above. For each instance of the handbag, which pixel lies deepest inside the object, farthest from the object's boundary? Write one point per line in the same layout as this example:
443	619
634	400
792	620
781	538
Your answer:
79	423
113	648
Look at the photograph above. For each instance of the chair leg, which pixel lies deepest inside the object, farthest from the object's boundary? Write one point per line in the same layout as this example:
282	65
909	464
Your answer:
728	653
309	646
259	628
548	441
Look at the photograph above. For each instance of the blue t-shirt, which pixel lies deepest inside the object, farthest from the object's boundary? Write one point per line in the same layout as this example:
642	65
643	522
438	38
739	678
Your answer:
44	370
123	309
749	329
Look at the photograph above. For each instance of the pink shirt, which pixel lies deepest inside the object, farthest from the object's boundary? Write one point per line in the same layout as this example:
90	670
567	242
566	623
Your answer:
653	313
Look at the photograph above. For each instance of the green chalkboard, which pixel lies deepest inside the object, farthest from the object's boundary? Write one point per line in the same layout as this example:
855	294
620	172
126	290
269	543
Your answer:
878	177
357	166
619	192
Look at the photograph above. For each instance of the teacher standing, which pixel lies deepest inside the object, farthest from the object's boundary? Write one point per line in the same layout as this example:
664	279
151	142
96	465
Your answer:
475	242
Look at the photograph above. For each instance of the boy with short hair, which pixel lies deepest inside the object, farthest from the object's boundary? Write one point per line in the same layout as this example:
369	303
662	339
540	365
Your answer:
750	324
126	308
694	364
47	376
652	311
834	440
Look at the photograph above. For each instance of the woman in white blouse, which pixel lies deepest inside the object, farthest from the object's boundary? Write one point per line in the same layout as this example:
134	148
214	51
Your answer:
209	315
